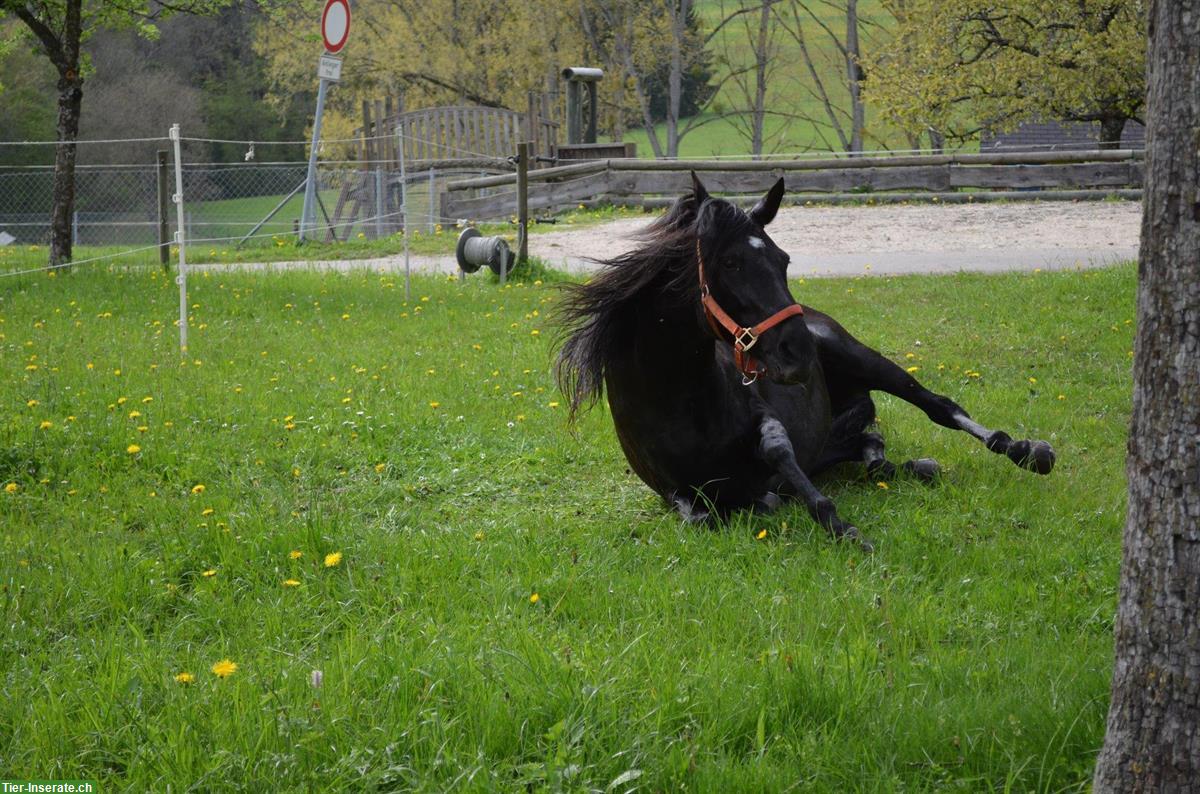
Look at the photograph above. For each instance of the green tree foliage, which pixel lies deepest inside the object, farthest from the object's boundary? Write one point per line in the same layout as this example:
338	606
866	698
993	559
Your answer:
957	66
58	30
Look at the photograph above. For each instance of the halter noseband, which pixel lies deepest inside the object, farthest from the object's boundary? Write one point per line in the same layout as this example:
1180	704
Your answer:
744	337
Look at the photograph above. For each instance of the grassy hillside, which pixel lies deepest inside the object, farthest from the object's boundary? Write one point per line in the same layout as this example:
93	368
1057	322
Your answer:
798	122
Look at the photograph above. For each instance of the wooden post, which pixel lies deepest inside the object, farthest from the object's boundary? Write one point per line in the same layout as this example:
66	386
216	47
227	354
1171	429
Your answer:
164	209
523	150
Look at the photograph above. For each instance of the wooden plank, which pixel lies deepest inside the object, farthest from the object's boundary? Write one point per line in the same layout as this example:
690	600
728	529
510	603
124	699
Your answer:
1017	176
366	111
564	194
657	202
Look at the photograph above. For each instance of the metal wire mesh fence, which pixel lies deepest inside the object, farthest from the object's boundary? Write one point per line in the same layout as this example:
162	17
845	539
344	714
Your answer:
234	203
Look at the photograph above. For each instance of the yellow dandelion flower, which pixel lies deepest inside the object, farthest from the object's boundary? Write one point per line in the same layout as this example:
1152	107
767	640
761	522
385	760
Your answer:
1033	381
224	668
910	370
134	414
45	425
208	511
185	678
198	488
31	403
553	404
291	582
435	404
762	534
883	485
479	536
332	559
295	554
533	599
210	573
1062	396
133	449
12	487
379	467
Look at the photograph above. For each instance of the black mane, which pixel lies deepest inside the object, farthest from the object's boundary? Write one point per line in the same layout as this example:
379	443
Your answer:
592	314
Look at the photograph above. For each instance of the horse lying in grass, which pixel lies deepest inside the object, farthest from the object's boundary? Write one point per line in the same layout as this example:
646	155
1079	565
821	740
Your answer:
716	415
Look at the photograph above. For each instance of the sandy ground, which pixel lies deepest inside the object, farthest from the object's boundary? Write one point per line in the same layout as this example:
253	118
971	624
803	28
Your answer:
919	238
881	240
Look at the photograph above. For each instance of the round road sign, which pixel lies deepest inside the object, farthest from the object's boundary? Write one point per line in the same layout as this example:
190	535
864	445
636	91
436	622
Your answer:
335	24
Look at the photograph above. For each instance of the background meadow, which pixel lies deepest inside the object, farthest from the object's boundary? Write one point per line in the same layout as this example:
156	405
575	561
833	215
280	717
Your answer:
511	609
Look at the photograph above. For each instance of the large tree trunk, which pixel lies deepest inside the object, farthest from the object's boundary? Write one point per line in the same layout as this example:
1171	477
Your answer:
1153	739
70	97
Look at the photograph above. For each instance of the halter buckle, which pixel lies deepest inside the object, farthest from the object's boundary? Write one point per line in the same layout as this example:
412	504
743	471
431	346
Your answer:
743	335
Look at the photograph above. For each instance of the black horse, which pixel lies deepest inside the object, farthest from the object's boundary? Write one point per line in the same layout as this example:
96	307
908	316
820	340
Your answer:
717	416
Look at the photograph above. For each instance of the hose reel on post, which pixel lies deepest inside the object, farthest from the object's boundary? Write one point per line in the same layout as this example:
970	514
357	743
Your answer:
475	251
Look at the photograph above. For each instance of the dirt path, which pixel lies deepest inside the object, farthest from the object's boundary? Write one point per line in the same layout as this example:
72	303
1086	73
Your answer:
919	238
890	239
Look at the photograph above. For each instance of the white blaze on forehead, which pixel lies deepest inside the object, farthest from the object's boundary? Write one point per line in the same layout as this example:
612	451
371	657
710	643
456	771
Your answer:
756	242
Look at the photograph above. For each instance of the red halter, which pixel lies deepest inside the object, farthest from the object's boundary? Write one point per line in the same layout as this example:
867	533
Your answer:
744	337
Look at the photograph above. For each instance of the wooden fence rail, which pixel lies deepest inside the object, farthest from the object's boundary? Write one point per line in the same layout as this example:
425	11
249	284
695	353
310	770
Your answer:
648	181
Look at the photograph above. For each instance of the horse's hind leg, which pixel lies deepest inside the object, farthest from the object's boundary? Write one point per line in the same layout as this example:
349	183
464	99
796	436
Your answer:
775	448
848	361
853	441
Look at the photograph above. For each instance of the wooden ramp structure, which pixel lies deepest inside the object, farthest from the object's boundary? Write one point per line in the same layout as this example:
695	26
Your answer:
417	150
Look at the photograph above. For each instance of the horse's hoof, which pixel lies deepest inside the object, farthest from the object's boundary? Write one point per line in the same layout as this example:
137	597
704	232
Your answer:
1037	456
924	469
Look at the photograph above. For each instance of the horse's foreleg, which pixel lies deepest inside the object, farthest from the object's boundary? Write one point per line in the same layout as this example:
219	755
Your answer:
775	448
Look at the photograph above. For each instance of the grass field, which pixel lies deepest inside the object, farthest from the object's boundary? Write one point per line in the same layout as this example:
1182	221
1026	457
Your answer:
335	481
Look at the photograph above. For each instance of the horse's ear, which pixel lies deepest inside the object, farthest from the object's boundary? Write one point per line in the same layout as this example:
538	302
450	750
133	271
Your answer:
764	211
698	190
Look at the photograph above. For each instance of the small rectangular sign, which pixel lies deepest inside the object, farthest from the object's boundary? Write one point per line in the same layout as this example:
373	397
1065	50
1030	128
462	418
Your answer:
330	68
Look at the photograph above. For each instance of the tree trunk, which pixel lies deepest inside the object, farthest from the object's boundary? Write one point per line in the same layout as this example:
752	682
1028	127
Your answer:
1110	132
854	77
679	19
762	54
70	97
1153	738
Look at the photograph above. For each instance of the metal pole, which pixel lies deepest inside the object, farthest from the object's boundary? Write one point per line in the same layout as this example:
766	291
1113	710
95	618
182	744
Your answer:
308	217
404	220
75	228
378	203
523	202
270	214
164	209
181	241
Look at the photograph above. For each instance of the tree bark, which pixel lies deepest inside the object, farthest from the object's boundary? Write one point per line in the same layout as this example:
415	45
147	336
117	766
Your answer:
1153	738
854	77
1110	132
762	53
70	97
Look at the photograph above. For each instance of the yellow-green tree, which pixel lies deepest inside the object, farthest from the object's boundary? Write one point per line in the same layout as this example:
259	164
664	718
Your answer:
434	52
954	67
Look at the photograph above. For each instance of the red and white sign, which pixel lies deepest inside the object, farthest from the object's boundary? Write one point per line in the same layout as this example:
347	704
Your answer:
335	24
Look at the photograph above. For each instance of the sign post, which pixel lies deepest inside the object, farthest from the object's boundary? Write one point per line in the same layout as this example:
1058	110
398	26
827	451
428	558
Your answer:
335	29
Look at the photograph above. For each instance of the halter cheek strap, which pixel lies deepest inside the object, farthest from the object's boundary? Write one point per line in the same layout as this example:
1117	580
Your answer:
744	337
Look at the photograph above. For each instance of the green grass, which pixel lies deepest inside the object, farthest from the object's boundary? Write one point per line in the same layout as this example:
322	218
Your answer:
283	247
424	442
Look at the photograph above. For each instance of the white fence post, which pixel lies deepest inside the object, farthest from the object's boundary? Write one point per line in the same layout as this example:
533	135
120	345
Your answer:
181	241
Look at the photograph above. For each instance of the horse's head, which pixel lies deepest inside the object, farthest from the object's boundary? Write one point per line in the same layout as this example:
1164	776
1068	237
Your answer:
744	290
